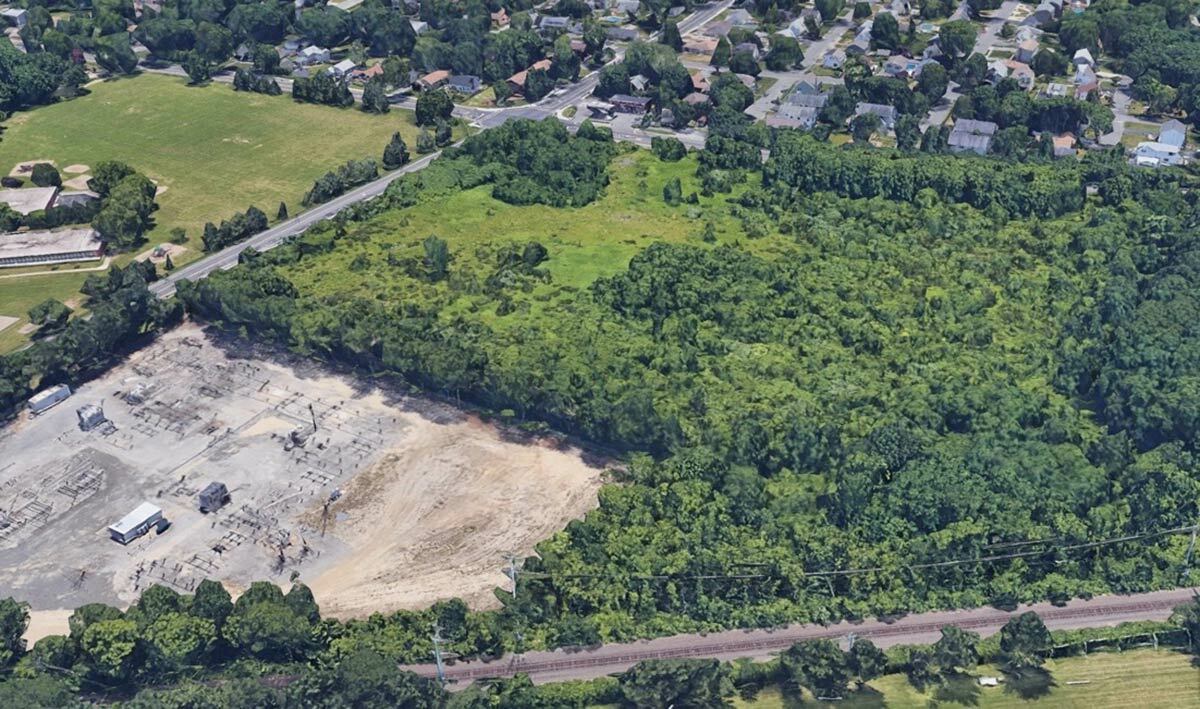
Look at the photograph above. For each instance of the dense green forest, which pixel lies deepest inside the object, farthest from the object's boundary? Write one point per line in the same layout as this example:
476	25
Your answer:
891	396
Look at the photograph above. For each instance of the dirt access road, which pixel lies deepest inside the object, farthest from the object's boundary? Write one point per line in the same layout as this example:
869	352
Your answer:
562	665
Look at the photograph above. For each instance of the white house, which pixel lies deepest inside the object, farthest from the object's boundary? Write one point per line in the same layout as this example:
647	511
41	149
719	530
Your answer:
15	16
1083	58
419	27
1155	154
343	68
313	55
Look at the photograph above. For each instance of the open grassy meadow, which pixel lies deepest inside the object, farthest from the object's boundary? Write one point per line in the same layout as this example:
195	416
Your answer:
1142	678
584	243
212	150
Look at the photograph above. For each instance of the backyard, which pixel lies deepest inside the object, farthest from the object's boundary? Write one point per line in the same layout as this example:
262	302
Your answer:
212	151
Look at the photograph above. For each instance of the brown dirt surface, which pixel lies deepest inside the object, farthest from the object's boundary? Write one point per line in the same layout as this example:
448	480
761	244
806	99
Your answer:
437	516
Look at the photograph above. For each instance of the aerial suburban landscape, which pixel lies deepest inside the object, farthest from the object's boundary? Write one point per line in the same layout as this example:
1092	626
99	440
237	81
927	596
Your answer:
599	353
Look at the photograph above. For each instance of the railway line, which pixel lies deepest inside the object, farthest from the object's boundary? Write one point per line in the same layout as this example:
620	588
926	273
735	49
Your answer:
560	665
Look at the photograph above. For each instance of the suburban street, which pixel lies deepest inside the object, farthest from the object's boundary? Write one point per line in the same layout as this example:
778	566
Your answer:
561	665
482	118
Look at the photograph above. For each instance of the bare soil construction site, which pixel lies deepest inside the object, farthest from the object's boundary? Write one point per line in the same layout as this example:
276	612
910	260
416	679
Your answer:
377	500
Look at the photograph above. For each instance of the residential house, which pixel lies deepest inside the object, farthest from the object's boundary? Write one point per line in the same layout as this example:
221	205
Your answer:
365	75
887	114
433	80
623	103
862	40
550	23
628	7
1026	50
896	66
703	46
806	87
807	100
972	136
639	82
1064	145
805	116
15	16
834	60
1083	58
748	81
1173	133
742	18
1084	90
1156	154
517	81
696	99
781	122
699	82
1055	90
623	34
343	68
465	83
419	27
749	47
579	46
312	55
1022	73
1084	74
797	29
500	18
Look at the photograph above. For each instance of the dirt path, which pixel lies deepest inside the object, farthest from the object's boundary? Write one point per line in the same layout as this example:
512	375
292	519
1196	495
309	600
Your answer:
437	516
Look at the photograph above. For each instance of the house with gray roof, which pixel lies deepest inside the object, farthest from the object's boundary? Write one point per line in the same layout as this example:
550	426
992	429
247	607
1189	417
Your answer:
972	136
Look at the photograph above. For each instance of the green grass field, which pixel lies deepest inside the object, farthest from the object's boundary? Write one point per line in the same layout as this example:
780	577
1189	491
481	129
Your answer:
1141	678
215	151
585	243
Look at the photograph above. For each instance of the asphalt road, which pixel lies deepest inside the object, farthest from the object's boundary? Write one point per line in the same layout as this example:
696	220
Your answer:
562	665
228	257
484	118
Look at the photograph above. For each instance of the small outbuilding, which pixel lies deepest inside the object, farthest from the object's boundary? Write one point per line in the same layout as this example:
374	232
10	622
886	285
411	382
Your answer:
90	416
214	497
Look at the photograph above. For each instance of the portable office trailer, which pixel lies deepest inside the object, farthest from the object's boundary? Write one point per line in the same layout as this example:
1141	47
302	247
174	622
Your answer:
136	523
47	398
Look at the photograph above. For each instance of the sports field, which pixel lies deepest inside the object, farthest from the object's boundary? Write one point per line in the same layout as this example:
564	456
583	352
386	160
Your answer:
1147	678
214	152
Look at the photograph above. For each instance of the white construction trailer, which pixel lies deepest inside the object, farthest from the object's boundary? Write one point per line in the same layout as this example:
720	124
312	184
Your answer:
47	398
136	523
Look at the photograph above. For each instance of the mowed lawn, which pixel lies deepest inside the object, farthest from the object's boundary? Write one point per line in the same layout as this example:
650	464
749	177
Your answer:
1141	678
214	150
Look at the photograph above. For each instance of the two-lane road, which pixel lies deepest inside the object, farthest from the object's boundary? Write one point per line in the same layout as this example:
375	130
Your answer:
228	257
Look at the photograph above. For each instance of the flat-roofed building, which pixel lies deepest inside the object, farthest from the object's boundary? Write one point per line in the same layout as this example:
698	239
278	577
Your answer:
44	247
29	199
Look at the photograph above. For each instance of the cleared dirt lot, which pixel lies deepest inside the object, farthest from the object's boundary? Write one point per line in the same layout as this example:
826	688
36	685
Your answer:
429	501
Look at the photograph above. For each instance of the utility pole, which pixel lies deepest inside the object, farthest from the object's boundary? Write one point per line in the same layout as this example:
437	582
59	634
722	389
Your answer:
512	572
1187	559
437	653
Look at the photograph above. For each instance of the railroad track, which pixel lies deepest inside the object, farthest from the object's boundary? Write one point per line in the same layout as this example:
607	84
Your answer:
601	661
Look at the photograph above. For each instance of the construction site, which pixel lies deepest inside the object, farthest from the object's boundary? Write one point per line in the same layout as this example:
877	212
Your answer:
201	458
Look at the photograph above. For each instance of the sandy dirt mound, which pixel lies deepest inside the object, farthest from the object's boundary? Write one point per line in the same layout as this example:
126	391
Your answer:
6	320
77	183
76	169
43	623
436	517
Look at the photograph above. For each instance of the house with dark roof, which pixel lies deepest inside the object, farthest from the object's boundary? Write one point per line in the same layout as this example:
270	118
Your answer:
887	114
465	83
972	136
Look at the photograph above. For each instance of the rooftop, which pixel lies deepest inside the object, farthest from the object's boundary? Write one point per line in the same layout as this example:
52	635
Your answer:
138	516
44	246
30	199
